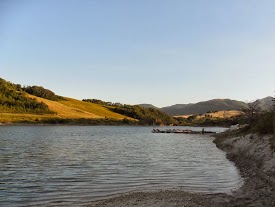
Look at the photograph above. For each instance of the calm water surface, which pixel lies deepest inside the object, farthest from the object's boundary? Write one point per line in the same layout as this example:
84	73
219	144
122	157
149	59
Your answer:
73	165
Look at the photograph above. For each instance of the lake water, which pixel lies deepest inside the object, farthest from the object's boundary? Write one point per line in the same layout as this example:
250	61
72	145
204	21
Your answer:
73	165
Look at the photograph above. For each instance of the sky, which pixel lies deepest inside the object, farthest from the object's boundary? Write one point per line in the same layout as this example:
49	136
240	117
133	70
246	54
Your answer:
161	52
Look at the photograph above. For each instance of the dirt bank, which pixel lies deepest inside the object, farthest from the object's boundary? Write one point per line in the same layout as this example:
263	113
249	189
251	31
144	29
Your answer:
253	156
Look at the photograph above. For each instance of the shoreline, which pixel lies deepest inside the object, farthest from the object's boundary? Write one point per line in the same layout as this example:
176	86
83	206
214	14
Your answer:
254	158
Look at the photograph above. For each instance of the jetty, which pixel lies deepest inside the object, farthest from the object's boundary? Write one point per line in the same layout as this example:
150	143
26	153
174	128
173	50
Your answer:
182	131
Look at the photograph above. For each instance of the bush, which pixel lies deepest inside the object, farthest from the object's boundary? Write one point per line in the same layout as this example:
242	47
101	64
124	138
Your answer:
264	123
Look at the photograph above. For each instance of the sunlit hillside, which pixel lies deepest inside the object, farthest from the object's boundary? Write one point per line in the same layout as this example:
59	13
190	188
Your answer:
63	109
22	105
217	114
222	114
18	117
35	104
75	109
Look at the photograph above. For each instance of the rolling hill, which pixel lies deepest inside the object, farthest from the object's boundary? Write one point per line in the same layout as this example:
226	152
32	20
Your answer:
204	107
147	106
35	104
14	100
17	105
266	103
74	109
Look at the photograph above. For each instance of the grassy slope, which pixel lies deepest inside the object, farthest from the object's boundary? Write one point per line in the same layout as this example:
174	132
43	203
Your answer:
65	109
223	114
95	109
15	117
218	114
75	109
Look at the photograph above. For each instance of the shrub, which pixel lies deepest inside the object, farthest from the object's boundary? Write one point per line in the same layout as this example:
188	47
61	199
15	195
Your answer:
264	124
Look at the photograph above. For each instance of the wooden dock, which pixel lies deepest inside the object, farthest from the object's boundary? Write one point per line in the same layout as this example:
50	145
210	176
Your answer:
182	131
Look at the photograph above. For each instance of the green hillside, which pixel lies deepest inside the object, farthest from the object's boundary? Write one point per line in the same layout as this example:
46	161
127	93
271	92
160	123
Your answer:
37	104
14	100
69	108
146	116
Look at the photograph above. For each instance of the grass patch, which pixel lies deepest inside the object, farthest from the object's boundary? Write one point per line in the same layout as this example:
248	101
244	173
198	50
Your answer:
74	109
81	122
16	117
92	108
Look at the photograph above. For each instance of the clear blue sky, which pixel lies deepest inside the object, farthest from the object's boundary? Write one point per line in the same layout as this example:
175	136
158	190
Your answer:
141	51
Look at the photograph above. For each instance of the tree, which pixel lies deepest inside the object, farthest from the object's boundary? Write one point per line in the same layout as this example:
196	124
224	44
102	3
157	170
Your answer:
41	92
273	100
273	113
252	110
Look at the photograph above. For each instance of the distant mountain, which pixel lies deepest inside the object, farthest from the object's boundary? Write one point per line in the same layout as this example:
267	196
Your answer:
266	103
204	107
176	109
148	106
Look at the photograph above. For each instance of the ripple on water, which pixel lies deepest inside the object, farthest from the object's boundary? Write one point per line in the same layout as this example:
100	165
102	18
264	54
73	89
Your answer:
65	165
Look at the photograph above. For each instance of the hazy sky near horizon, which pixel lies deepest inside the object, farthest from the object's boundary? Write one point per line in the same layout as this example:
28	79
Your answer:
141	51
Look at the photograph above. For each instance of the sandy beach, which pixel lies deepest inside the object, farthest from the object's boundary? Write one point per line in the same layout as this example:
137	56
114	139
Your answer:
251	154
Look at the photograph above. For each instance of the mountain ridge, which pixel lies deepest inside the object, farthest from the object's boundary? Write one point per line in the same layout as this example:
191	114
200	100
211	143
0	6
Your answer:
38	103
217	104
204	107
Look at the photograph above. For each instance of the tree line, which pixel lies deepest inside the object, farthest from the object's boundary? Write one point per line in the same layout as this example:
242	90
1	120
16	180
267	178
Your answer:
103	103
146	116
42	92
13	99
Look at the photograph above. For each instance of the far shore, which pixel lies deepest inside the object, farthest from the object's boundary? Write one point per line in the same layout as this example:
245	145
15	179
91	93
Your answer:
95	122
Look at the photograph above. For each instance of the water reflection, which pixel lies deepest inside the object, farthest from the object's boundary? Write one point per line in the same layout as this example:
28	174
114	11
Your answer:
59	166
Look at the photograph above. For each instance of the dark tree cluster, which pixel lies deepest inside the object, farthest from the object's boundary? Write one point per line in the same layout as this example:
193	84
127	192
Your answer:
41	92
95	101
14	100
147	116
103	103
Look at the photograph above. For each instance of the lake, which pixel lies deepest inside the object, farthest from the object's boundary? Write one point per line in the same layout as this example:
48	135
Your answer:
73	165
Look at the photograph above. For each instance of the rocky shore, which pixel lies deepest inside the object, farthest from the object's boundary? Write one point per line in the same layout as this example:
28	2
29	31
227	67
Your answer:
254	157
